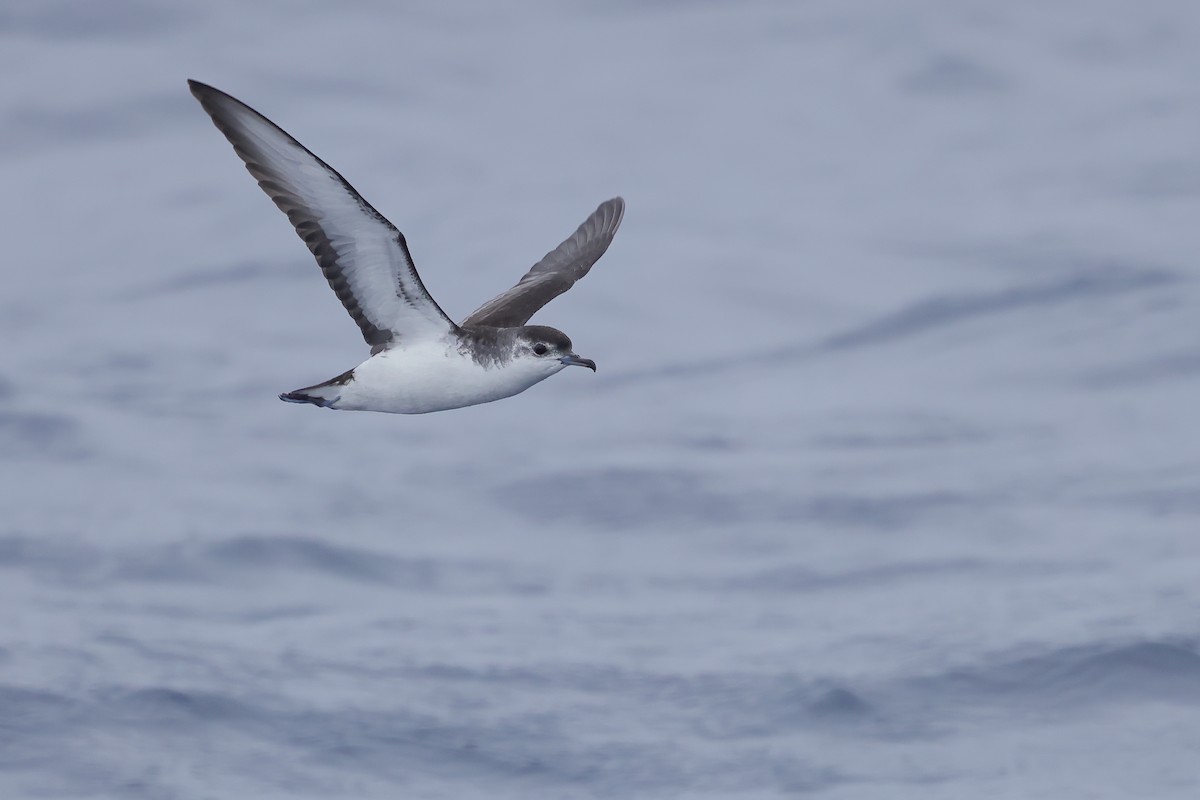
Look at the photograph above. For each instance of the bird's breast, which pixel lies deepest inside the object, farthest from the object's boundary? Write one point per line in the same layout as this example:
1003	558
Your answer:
431	377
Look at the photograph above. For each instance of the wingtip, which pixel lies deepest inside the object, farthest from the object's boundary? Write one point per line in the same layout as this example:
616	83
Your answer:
617	205
202	91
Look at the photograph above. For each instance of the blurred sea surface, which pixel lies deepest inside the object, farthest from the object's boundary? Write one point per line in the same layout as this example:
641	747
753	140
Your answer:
888	484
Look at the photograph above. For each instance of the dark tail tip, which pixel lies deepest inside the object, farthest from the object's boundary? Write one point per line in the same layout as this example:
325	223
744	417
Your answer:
300	397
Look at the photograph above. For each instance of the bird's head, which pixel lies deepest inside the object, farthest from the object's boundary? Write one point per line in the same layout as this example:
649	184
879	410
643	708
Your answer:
548	348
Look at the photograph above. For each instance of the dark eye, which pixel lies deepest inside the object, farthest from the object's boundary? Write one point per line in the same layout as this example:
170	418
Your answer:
540	349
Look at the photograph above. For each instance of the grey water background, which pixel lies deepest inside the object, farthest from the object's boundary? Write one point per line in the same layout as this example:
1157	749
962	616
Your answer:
888	484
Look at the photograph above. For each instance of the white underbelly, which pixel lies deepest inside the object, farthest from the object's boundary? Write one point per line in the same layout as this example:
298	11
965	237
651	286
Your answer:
429	377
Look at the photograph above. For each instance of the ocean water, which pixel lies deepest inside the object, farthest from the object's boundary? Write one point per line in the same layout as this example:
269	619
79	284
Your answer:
888	484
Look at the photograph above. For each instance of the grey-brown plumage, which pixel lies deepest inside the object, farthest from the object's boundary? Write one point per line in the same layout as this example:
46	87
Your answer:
556	272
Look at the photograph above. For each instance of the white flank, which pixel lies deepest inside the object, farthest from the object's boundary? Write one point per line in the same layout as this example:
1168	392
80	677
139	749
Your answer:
435	376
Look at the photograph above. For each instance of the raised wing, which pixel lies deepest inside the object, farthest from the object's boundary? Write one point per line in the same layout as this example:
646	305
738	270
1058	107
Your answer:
555	273
363	256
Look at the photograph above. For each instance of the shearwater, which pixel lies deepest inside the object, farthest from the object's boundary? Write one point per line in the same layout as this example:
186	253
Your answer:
421	361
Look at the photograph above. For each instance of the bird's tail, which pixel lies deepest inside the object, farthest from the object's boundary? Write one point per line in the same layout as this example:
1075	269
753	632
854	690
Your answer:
324	394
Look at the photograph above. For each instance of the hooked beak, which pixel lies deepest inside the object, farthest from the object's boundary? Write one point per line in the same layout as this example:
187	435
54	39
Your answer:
573	360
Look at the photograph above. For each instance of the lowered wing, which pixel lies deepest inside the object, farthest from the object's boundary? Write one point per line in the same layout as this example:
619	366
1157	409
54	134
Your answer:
555	273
